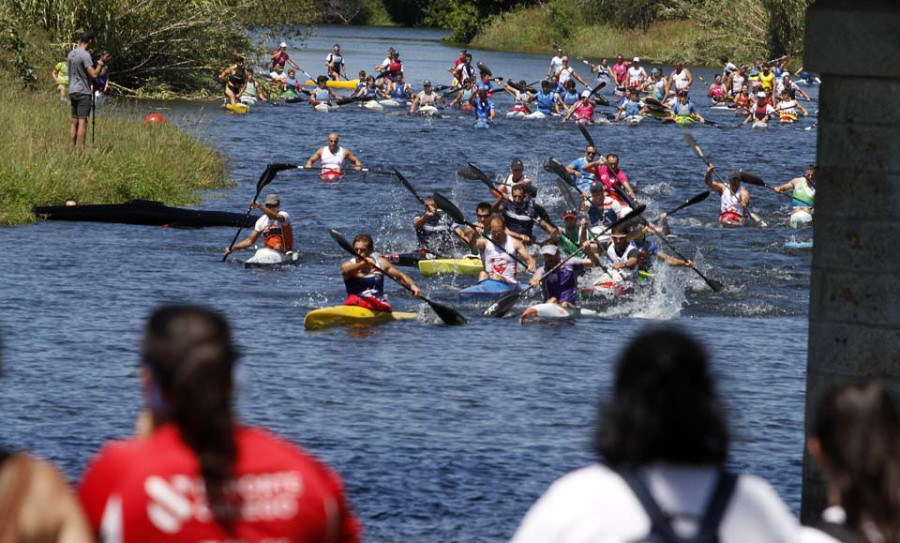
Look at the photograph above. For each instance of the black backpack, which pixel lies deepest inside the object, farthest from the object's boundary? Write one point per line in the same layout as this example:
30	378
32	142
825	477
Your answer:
660	529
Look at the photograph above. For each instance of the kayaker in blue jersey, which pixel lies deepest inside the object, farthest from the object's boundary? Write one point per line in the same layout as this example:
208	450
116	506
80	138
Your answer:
584	178
365	283
485	83
499	253
521	214
546	100
398	89
484	108
561	285
569	95
632	106
465	96
291	82
368	91
556	86
323	94
434	230
684	111
649	251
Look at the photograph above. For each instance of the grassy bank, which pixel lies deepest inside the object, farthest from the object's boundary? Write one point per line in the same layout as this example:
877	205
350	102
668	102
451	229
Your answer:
532	30
129	160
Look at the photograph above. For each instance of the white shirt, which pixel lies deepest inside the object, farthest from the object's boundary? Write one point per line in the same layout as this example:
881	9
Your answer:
595	505
555	64
266	222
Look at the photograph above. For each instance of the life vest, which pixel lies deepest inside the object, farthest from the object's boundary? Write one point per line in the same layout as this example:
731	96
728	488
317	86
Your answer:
570	98
761	112
545	102
767	81
717	91
804	194
277	235
368	284
399	91
616	258
500	262
236	79
370	93
632	108
323	96
395	67
683	110
584	110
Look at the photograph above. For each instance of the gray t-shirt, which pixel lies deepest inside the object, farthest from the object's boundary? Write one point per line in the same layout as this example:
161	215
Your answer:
79	80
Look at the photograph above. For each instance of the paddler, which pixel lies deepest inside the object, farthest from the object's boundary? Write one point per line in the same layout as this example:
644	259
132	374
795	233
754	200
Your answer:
622	254
483	214
737	80
716	91
787	108
546	100
556	62
368	91
584	178
484	107
735	198
573	234
274	226
632	107
322	93
561	285
521	214
485	83
612	178
603	71
426	97
236	82
804	195
784	82
620	72
464	71
398	89
253	91
365	283
522	98
434	230
767	79
680	79
465	96
516	178
583	109
334	61
637	76
569	95
333	156
649	252
565	72
603	209
497	253
658	85
280	58
761	111
683	110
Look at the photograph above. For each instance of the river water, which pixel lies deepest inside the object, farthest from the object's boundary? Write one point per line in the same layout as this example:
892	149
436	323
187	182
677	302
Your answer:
442	434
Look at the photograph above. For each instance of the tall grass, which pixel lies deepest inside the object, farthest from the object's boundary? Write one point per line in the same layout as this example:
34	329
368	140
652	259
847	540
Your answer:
129	160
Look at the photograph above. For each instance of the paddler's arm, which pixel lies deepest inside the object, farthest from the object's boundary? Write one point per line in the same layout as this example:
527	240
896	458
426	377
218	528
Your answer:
399	276
536	278
314	158
243	244
745	197
526	256
413	105
274	215
790	185
291	62
716	186
803	109
227	71
578	78
802	93
350	268
352	158
674	261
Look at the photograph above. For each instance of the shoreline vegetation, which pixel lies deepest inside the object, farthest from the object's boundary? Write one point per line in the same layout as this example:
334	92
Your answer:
130	160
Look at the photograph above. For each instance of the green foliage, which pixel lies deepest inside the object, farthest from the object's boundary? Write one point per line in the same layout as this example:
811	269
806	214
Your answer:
374	13
460	16
130	159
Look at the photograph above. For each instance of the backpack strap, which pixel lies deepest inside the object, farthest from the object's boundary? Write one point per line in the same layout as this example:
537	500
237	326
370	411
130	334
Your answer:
712	517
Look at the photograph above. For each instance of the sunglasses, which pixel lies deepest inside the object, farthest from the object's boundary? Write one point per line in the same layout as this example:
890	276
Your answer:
482	216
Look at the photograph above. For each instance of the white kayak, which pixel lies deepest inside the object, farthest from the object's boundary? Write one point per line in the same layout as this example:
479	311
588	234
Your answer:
516	114
323	108
634	120
801	217
535	115
427	111
372	104
553	313
391	103
760	124
270	258
248	100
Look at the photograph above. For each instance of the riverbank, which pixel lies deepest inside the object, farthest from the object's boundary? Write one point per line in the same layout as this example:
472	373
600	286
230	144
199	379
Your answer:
531	30
129	159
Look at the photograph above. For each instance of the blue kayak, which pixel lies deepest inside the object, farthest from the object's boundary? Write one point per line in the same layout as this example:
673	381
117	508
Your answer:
483	124
489	289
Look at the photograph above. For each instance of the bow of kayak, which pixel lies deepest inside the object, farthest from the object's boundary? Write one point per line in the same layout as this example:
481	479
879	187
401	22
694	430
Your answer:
265	257
489	289
553	313
351	315
470	265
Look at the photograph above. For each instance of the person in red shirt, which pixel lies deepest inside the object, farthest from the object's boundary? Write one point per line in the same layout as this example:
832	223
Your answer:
200	475
608	173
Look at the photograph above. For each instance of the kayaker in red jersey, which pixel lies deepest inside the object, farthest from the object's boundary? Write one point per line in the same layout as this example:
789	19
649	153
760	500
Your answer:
200	475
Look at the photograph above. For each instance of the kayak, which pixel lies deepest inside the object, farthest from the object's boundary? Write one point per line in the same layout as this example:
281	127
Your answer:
730	218
633	120
265	257
489	289
392	103
330	175
483	124
347	84
470	265
427	111
350	315
684	119
323	107
741	112
787	119
240	109
760	124
248	100
144	212
516	114
800	217
537	115
798	245
410	259
372	104
720	106
553	313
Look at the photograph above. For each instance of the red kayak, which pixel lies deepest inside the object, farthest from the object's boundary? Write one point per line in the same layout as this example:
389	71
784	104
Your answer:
731	219
330	175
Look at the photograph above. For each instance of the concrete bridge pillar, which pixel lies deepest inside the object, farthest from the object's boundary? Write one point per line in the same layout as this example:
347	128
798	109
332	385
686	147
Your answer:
854	306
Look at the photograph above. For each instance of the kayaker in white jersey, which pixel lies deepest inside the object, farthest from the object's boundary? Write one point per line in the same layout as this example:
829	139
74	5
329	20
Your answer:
637	76
804	196
426	97
566	72
556	62
680	79
274	226
735	198
332	157
335	63
497	253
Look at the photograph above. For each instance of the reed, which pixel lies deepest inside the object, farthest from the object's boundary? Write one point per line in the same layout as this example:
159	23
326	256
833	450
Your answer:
129	160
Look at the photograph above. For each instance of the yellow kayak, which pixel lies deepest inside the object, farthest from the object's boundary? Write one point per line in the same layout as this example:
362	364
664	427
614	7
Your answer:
339	84
350	315
237	108
469	265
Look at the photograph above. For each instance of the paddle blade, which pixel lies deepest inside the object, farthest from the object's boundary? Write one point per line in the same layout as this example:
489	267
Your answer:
556	167
502	306
587	135
467	173
484	69
447	314
691	201
280	166
713	284
694	145
476	171
339	239
448	207
564	189
408	186
750	179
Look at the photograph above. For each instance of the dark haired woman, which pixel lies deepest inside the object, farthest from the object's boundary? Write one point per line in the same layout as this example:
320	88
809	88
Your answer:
855	442
663	442
201	475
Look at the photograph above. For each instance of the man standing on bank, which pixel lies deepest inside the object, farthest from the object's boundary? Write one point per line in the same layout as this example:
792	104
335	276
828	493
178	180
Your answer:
81	70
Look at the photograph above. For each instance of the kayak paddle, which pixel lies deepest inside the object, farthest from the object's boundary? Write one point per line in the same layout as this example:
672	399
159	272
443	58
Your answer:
503	305
267	176
750	179
447	314
587	136
408	185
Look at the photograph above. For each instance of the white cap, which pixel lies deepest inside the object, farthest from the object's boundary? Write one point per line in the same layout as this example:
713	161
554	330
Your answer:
636	59
586	94
552	250
283	44
760	95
